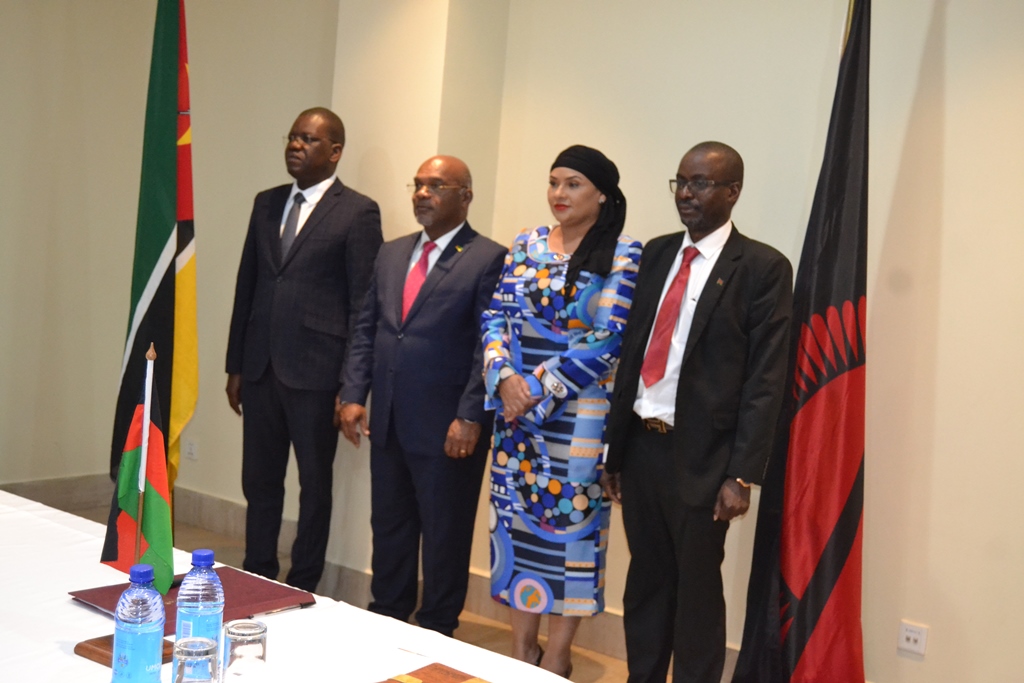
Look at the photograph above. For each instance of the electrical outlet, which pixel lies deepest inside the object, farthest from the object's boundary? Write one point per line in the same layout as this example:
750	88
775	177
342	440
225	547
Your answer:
190	450
913	637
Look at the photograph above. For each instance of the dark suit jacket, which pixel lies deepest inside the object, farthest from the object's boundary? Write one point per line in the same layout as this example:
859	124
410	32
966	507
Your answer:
426	371
295	313
732	377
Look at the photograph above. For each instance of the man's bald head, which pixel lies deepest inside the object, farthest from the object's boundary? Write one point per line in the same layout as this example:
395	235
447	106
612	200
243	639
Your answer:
443	190
452	168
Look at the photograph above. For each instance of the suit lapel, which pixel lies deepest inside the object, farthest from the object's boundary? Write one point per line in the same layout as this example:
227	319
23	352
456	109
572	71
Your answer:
713	288
445	262
323	207
271	241
645	307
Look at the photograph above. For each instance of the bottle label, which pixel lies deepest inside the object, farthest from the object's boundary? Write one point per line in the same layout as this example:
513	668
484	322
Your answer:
138	656
200	625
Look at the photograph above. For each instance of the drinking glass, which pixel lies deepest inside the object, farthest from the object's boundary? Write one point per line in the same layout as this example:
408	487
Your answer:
245	648
196	660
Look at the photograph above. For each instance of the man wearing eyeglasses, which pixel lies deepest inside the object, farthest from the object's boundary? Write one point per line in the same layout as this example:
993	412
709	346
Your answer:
305	267
416	351
697	395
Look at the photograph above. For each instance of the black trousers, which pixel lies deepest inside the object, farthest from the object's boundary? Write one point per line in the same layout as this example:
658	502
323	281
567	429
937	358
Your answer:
274	417
432	497
673	602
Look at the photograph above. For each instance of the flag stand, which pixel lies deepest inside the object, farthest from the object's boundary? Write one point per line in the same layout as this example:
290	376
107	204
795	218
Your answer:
139	526
146	407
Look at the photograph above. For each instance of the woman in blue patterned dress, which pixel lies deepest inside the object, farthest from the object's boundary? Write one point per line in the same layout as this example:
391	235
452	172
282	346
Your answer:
551	344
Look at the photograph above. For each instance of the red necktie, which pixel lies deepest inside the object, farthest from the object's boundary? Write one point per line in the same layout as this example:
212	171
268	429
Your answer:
414	280
661	338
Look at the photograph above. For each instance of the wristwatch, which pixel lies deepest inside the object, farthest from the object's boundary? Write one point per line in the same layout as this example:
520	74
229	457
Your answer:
505	372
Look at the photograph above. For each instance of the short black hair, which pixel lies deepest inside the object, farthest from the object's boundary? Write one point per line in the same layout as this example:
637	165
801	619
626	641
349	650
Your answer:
334	125
733	160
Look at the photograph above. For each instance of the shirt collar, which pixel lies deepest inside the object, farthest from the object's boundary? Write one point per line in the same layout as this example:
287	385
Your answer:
314	193
441	241
712	243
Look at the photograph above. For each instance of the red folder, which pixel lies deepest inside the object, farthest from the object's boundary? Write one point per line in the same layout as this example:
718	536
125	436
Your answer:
245	595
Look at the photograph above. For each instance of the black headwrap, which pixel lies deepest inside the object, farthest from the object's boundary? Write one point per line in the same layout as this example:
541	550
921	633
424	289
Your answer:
597	248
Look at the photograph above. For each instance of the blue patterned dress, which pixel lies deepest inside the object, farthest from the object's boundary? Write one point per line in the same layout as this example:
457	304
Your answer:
548	517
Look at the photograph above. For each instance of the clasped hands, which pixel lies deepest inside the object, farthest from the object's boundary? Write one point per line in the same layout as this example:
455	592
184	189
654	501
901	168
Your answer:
516	398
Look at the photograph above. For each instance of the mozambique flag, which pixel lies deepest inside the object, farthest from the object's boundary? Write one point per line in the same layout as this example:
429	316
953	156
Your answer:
163	295
804	599
156	545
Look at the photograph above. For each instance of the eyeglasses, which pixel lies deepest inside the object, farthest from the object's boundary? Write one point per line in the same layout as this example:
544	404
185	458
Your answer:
696	185
305	139
431	188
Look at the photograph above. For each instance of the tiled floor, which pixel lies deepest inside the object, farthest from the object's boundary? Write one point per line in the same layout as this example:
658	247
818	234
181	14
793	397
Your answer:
588	666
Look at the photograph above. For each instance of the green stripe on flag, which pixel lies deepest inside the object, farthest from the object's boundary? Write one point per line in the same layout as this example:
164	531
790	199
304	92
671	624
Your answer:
128	482
157	195
156	529
156	519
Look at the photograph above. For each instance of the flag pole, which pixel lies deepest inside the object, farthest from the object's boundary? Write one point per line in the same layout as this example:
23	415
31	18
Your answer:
146	406
848	25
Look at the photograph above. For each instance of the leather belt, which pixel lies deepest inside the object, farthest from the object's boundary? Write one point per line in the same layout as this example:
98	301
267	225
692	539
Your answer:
653	424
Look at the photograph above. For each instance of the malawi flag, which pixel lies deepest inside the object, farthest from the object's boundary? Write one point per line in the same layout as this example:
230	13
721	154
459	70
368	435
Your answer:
804	599
156	542
163	296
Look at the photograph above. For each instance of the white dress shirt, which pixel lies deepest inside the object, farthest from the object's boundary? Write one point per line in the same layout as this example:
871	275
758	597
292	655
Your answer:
441	242
659	399
311	196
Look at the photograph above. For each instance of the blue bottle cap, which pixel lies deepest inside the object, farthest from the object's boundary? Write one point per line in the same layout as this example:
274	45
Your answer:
141	573
202	558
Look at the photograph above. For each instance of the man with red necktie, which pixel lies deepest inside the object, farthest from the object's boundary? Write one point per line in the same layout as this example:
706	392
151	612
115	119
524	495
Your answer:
693	414
416	350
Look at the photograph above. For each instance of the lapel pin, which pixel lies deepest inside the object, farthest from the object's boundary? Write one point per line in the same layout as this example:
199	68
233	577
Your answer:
458	248
720	282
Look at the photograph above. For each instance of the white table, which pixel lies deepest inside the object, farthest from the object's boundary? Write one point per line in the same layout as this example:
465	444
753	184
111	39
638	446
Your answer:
44	553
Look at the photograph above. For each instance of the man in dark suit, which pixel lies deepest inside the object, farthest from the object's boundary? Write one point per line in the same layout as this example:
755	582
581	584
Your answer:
305	268
416	349
697	393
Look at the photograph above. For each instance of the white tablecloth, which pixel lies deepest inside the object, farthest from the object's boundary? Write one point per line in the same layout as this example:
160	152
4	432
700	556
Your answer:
44	553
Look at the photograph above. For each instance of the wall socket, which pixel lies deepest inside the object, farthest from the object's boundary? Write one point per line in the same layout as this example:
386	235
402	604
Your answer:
189	450
913	637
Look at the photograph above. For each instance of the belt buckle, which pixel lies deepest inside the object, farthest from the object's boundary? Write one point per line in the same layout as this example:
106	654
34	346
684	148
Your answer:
653	424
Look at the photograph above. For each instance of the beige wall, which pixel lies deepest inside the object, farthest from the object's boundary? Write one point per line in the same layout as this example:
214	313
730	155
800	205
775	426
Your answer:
943	543
253	65
71	134
642	81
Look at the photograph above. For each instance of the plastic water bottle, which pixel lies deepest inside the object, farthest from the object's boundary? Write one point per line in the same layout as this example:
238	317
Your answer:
139	630
200	603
